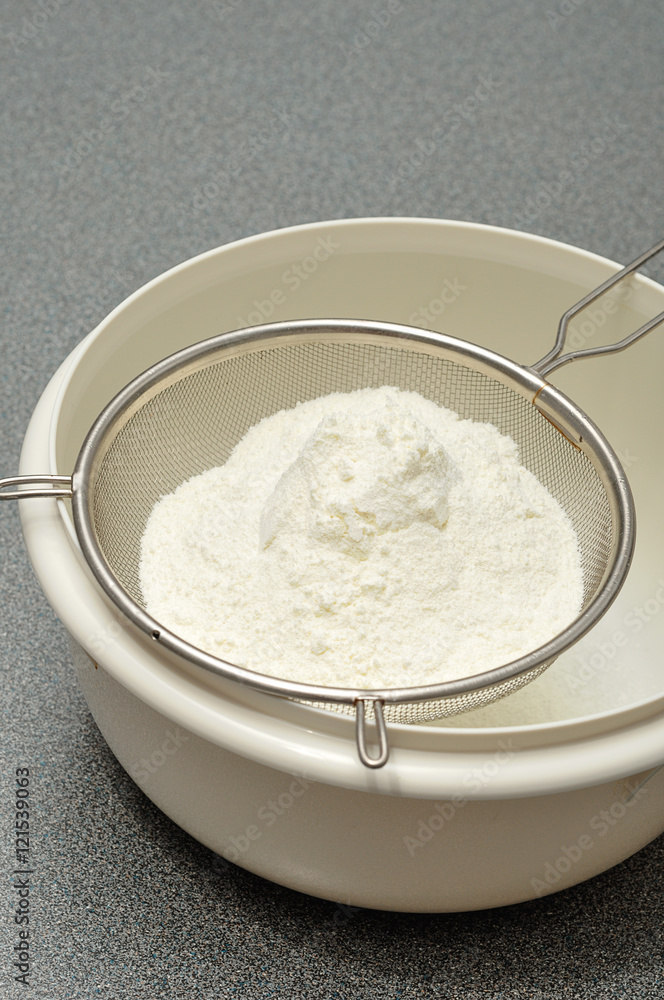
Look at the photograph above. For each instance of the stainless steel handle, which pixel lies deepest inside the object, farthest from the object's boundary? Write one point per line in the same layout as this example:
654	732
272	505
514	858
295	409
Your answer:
53	486
361	734
554	360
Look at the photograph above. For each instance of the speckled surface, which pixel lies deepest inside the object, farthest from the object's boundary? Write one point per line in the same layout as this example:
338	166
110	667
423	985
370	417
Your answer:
137	135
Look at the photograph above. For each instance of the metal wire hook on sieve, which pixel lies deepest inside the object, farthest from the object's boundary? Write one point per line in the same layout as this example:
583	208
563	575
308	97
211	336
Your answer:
551	361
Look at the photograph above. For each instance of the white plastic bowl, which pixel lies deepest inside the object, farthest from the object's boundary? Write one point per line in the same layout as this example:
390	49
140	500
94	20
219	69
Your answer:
557	783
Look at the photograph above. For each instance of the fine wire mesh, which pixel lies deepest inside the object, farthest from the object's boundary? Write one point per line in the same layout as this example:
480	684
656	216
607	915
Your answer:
195	421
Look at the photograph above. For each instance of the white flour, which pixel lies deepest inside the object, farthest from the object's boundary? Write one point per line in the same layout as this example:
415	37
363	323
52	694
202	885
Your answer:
366	539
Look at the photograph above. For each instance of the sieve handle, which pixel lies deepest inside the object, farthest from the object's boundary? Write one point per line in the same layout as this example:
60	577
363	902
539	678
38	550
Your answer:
554	359
361	734
52	486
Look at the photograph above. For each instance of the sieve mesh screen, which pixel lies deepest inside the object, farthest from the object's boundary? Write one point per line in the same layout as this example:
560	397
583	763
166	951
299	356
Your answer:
193	421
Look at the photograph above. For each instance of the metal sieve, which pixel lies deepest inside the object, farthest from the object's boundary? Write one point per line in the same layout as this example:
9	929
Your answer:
185	415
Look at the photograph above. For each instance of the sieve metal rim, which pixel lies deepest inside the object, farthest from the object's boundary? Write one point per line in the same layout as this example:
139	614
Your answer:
551	402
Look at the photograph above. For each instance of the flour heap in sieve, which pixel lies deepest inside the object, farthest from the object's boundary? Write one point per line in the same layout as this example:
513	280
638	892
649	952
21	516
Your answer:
366	539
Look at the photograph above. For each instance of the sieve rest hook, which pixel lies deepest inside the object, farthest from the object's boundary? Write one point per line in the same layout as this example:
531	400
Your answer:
54	486
361	734
554	360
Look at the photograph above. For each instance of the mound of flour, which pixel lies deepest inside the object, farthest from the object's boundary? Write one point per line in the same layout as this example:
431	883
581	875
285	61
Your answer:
367	539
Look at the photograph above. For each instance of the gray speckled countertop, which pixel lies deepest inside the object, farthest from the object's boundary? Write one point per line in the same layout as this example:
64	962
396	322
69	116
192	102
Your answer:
102	191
